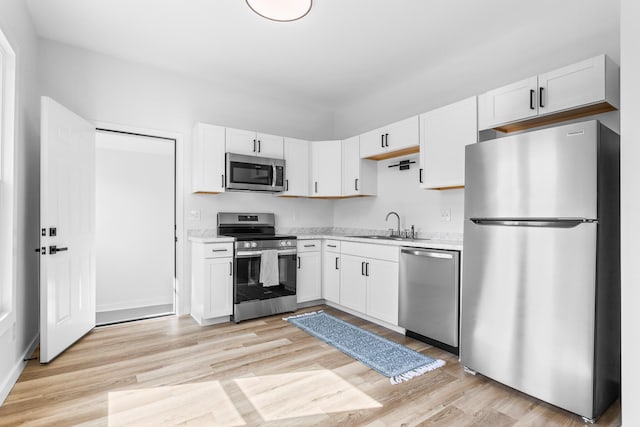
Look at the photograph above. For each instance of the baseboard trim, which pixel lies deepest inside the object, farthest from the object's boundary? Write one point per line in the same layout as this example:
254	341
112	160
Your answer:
10	381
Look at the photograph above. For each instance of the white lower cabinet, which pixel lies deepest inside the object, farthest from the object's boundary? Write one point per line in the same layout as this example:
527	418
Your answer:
353	283
382	290
369	280
212	281
309	273
331	270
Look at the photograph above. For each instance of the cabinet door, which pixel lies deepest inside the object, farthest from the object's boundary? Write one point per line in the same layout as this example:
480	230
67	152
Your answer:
242	141
372	143
572	86
327	169
510	103
270	146
309	284
208	159
218	287
351	166
353	283
382	290
297	158
444	133
331	276
403	134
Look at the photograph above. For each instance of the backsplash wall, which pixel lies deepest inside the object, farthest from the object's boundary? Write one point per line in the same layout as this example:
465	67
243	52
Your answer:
399	191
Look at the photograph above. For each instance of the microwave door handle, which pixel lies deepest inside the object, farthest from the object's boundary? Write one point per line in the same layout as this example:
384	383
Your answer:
273	181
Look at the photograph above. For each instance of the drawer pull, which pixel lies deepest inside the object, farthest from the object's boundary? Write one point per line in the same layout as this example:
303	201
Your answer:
309	246
219	250
333	246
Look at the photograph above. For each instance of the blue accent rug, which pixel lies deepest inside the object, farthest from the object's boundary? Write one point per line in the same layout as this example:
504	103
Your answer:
389	358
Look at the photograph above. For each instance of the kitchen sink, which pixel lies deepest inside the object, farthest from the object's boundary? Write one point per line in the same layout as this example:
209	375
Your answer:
402	239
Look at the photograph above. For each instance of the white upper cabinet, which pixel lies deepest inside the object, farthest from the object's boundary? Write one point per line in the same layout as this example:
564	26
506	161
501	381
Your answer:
359	176
296	156
516	101
584	88
254	144
578	84
326	168
396	139
444	134
208	160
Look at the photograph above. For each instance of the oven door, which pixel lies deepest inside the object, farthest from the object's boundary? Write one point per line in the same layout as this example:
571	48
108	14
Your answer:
254	173
246	278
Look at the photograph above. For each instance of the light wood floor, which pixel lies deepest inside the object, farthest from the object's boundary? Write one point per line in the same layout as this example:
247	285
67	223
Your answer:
170	371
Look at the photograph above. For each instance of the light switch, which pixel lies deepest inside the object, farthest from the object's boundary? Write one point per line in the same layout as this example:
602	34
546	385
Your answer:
445	215
194	215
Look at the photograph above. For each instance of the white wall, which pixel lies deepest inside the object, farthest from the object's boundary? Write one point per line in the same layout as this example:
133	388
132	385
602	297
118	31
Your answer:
630	210
14	343
399	191
105	89
134	221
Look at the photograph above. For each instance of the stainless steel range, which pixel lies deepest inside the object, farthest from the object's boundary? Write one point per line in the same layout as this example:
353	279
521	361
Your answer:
264	272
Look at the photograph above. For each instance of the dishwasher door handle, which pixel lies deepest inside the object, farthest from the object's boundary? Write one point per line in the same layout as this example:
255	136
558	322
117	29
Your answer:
427	254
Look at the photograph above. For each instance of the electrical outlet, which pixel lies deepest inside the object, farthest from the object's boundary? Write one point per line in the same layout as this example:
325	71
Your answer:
445	215
194	215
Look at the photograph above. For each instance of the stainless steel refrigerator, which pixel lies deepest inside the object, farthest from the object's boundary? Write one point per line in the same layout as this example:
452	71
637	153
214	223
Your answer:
540	297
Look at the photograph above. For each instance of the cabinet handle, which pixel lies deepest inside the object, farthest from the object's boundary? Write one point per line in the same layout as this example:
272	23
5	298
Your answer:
309	246
230	268
356	184
299	263
254	145
337	266
218	250
541	95
362	269
386	139
420	175
366	269
259	149
222	176
382	141
332	246
316	186
286	183
531	92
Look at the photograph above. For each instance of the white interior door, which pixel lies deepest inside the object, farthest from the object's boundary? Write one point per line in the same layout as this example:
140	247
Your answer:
67	221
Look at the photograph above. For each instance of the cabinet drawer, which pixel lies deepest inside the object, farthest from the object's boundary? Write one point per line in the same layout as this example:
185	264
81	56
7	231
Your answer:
331	245
217	250
308	245
367	250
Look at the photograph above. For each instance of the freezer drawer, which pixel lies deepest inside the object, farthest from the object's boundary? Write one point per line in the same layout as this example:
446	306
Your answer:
429	293
528	309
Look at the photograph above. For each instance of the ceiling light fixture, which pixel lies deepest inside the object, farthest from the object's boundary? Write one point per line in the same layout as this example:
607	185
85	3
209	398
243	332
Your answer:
281	10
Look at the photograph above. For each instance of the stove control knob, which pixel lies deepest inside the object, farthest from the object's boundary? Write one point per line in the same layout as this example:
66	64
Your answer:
289	243
246	244
254	245
283	243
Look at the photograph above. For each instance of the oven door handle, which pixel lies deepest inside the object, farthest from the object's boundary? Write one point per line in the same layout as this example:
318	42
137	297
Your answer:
248	254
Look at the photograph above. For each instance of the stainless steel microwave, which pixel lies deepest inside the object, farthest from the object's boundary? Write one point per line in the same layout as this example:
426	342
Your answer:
252	173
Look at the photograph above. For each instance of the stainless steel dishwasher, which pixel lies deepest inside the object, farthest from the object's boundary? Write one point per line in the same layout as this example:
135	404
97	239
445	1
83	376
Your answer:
430	296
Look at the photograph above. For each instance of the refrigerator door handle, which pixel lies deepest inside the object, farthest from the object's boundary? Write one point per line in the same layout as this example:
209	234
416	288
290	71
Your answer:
552	223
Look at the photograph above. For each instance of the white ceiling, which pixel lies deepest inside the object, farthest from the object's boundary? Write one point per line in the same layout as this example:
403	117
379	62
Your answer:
338	53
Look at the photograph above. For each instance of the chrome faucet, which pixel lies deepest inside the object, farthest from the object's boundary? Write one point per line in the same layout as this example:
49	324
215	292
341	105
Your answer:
397	216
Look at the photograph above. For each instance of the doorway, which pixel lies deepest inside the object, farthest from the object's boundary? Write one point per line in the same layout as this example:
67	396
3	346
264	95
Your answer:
135	226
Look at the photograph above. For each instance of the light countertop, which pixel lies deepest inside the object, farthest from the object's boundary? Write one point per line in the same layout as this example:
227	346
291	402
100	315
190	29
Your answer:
211	236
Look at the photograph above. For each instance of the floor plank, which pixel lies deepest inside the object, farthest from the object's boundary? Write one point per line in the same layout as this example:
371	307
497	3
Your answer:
170	371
